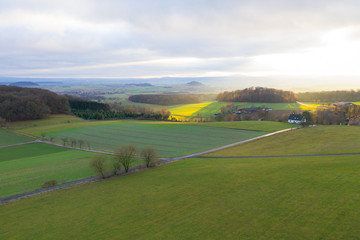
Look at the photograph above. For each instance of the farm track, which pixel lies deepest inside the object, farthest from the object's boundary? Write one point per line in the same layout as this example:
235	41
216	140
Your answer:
161	162
285	156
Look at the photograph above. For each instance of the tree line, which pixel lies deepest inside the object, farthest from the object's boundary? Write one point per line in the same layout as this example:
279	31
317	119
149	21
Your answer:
17	103
170	99
257	94
330	96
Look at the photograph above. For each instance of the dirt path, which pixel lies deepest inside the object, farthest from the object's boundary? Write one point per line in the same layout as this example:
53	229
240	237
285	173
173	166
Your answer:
288	156
18	144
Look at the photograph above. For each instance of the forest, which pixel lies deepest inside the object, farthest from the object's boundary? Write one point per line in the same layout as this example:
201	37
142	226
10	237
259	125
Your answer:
257	94
17	103
167	100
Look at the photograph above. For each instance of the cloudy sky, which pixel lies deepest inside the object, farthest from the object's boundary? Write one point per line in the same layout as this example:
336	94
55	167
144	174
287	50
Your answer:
281	42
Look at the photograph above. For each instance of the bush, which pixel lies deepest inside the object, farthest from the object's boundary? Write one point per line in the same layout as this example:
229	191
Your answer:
50	183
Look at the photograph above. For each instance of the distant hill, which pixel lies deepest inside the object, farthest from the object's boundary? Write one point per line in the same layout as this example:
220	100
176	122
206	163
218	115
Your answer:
195	83
24	84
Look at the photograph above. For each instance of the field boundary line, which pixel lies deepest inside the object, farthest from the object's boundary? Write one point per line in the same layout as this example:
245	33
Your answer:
18	144
229	145
285	156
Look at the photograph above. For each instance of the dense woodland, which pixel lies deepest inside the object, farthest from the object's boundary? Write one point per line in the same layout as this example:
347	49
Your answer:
17	103
258	94
330	96
170	99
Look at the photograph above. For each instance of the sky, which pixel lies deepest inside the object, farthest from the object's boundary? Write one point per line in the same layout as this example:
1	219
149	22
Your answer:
296	44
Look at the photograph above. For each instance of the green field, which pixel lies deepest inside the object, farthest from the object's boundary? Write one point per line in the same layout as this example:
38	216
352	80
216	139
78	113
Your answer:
25	168
8	138
287	198
170	139
215	107
314	140
266	126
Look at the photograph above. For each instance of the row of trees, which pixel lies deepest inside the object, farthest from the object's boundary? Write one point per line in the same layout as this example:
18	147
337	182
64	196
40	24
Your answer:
330	96
17	103
124	157
258	94
166	99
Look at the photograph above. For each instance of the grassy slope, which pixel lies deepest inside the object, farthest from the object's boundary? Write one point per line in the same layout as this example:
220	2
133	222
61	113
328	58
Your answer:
8	138
266	126
316	140
295	198
170	139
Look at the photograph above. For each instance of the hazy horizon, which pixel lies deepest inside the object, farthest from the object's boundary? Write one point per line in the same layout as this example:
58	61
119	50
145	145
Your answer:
291	45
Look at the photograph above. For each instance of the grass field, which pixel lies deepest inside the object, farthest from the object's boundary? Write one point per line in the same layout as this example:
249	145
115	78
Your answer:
287	198
7	138
266	126
215	107
25	168
315	140
170	139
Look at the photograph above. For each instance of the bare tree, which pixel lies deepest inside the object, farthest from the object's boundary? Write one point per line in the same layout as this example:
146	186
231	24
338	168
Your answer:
81	142
149	154
65	140
73	142
88	145
43	135
125	155
98	163
51	138
116	165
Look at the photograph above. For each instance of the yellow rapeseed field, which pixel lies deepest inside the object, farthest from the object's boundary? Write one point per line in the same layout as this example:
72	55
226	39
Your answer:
189	109
184	112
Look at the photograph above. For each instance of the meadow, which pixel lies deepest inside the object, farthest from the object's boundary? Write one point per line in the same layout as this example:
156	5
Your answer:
314	140
285	198
25	168
170	139
8	138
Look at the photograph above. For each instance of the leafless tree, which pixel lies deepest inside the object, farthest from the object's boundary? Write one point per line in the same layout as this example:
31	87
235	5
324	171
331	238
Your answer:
98	163
81	142
125	155
149	154
65	140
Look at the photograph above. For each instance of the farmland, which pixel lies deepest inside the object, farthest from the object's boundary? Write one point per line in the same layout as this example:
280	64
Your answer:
266	126
25	168
7	138
317	140
170	139
215	107
287	198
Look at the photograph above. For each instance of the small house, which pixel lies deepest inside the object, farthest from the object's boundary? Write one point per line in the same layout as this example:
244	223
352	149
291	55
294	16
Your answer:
295	118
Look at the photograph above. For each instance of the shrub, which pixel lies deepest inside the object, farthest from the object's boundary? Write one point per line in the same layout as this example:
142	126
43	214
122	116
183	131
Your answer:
50	183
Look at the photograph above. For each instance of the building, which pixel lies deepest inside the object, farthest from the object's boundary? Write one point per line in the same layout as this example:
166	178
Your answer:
296	118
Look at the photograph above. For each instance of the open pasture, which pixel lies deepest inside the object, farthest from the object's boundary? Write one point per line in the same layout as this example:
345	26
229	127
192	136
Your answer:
313	140
170	139
25	168
8	138
285	198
